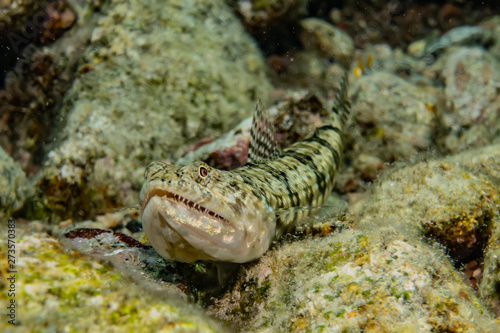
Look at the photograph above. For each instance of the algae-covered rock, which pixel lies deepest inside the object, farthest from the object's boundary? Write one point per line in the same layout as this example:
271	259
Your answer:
312	72
471	78
382	57
459	36
57	290
459	91
455	201
327	40
489	286
33	21
39	67
482	161
463	83
352	281
394	121
14	187
485	161
443	200
156	75
391	118
492	24
267	12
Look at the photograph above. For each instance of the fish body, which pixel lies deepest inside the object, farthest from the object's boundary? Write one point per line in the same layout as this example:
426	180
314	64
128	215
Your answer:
196	212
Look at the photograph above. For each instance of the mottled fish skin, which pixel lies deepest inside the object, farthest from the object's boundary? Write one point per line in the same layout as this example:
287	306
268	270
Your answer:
195	212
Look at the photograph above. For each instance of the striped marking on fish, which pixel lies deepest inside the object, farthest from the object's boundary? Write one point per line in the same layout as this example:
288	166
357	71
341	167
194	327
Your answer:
194	212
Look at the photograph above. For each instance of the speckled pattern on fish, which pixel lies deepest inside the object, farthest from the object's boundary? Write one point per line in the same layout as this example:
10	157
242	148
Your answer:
196	212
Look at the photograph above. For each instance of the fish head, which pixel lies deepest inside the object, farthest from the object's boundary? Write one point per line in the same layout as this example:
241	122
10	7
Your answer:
196	212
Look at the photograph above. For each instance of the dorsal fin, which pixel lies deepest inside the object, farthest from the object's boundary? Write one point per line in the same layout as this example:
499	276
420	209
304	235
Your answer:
263	145
341	105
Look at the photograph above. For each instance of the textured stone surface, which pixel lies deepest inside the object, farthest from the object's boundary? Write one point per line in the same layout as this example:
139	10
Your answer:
326	40
393	120
470	117
493	24
351	281
14	187
464	35
59	290
471	78
445	200
262	13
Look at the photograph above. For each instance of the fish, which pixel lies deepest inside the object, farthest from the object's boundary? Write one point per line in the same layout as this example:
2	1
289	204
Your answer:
195	212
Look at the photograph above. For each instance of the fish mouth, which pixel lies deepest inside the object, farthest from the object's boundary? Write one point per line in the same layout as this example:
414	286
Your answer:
180	200
173	225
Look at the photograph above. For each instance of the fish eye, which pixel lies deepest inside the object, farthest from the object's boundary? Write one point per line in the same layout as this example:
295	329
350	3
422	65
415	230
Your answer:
203	172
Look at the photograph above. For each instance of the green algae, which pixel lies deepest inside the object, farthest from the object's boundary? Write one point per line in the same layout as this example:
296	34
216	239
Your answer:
341	313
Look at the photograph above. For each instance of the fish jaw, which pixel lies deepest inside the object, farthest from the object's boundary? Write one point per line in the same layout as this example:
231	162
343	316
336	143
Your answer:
186	221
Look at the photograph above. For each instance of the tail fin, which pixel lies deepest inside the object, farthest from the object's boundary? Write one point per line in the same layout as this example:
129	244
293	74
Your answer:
341	105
